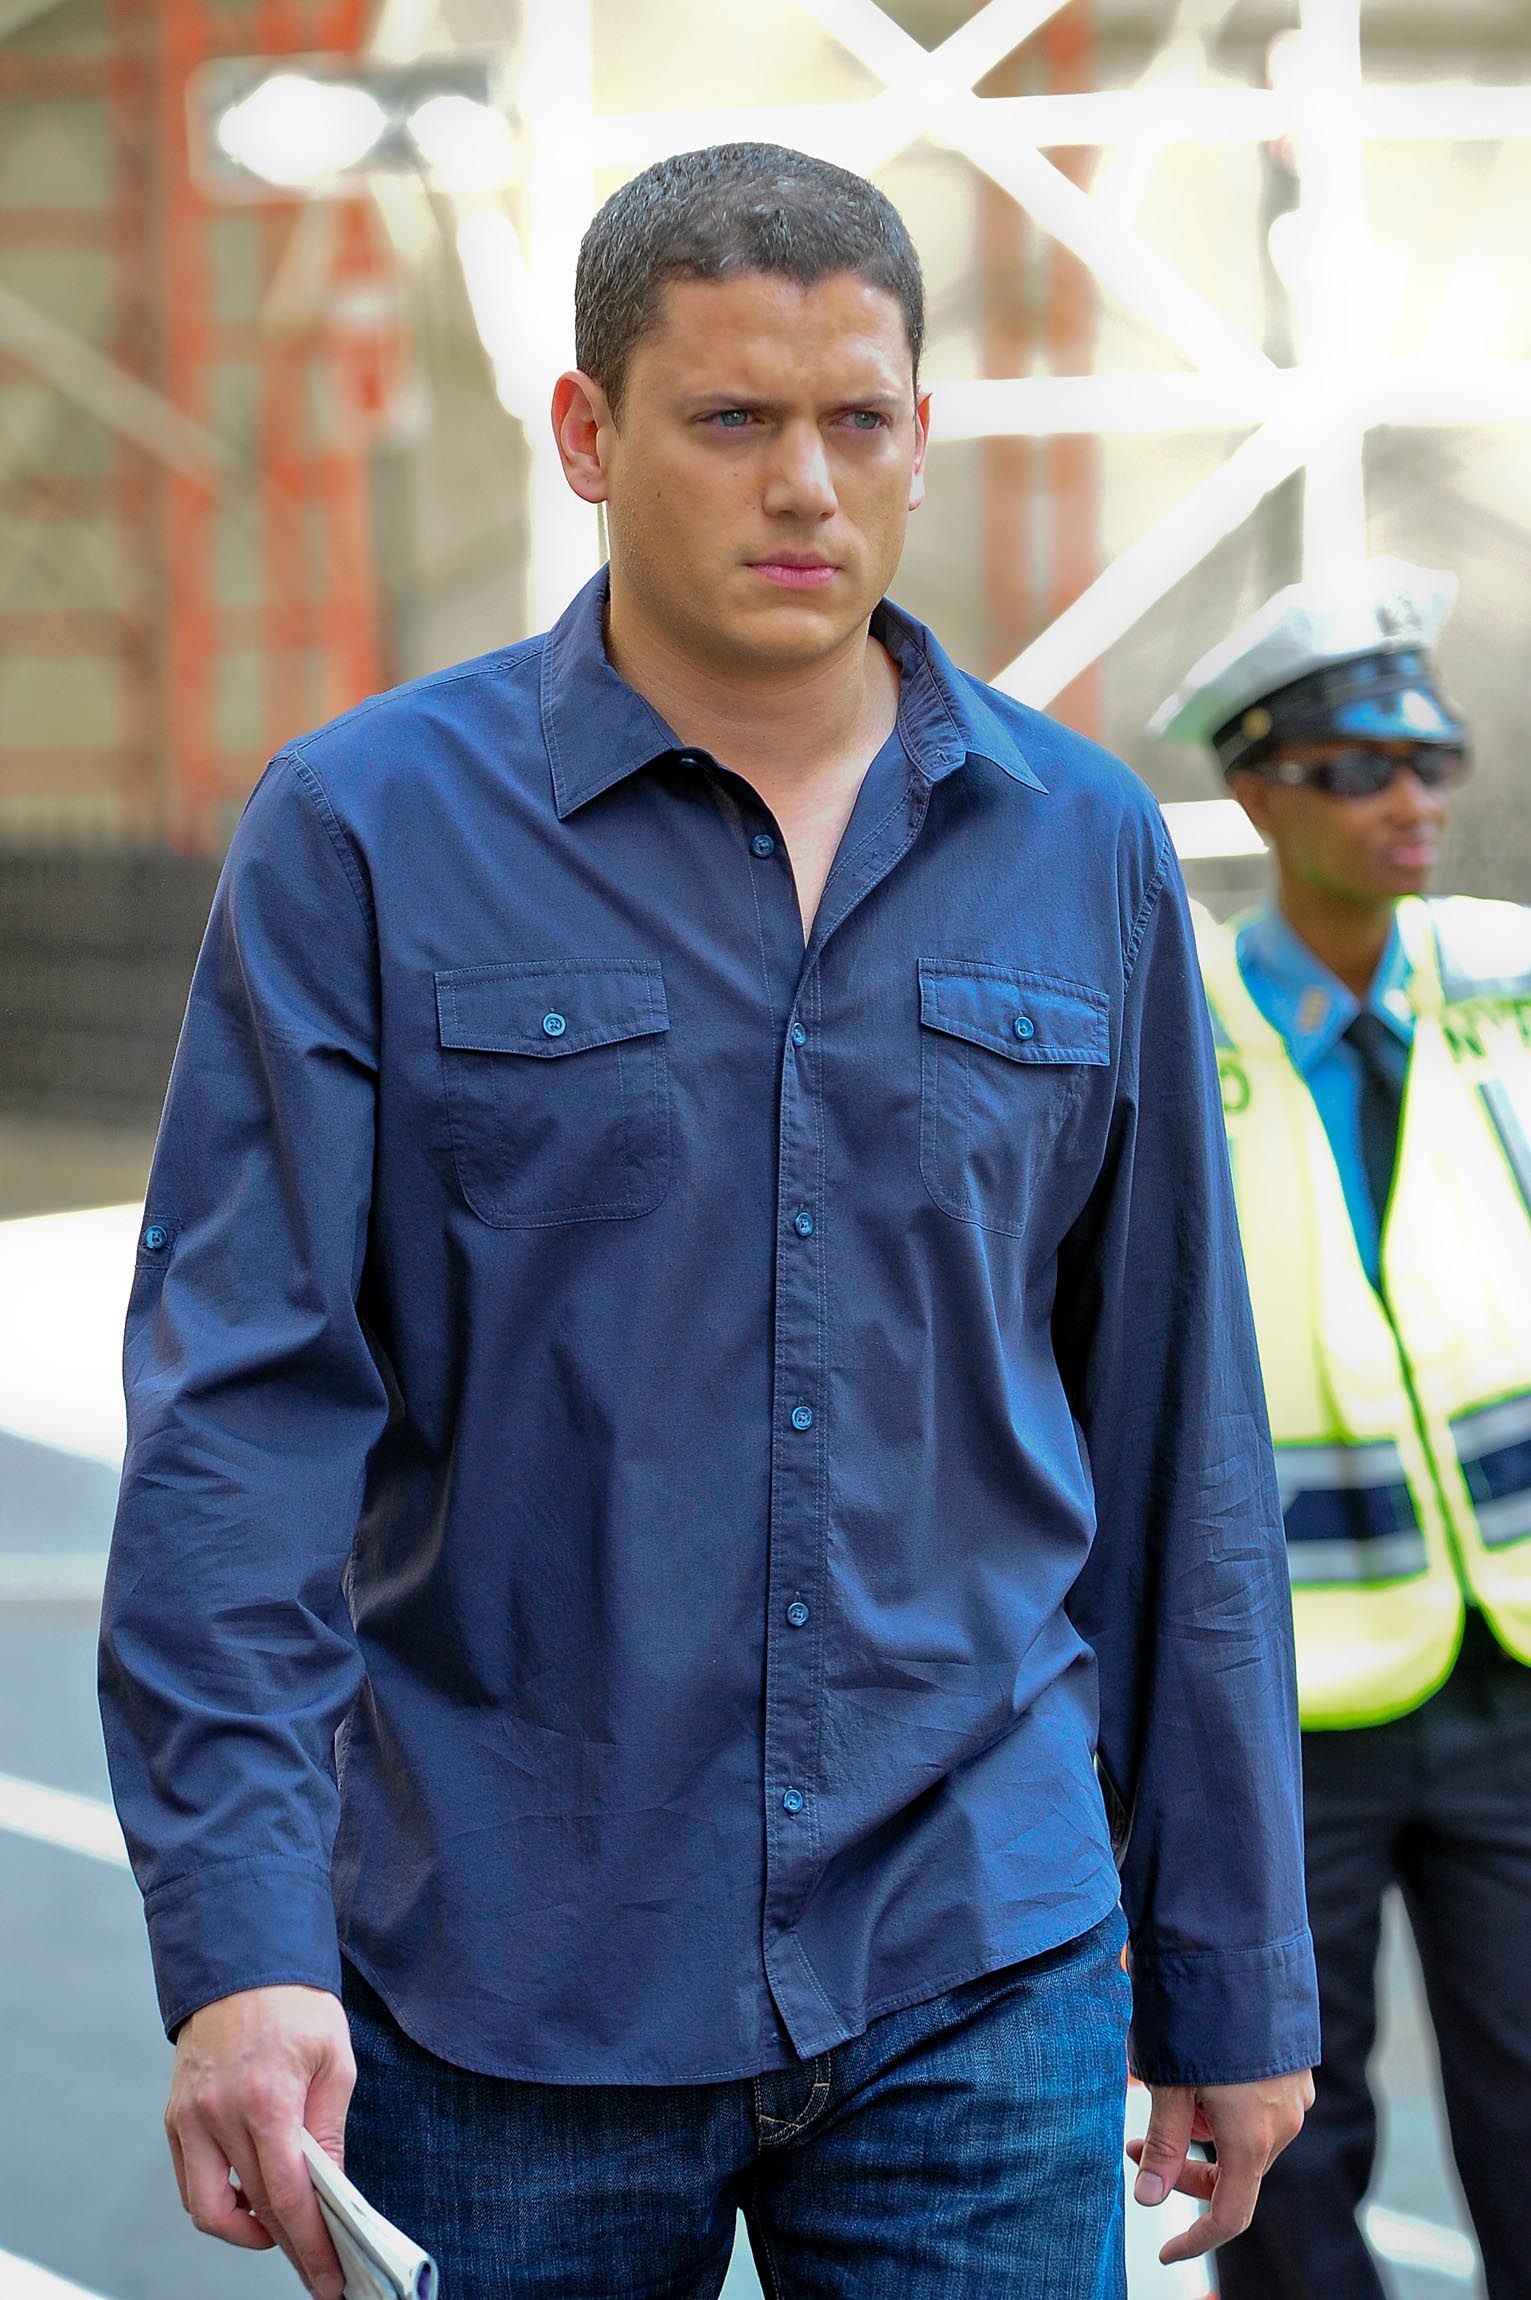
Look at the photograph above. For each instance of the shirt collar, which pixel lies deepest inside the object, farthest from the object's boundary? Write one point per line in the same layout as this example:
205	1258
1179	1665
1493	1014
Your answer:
1311	1007
599	730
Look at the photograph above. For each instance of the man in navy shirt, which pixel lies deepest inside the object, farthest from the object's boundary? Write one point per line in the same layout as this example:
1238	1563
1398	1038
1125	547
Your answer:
698	1505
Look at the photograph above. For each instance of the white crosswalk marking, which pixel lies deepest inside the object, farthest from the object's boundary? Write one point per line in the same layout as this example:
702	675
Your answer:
64	1281
58	1817
24	2280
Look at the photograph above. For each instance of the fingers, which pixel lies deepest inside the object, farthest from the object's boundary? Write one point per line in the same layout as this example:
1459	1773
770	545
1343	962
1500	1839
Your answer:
1232	2187
269	2160
178	2162
1249	2125
202	2167
248	2066
1196	2177
329	2097
1160	2157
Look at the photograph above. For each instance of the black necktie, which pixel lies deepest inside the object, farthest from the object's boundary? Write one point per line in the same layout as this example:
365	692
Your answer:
1384	1065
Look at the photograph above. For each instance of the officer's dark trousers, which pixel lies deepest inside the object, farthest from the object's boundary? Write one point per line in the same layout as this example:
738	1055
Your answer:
1440	1804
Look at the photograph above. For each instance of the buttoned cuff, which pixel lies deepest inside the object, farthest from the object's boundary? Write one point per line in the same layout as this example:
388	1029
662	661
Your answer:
245	1924
1224	2016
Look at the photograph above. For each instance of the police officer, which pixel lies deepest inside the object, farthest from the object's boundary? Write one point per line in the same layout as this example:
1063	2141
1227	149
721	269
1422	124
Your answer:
1376	1060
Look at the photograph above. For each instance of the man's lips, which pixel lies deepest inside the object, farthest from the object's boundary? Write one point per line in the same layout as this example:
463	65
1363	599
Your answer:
797	574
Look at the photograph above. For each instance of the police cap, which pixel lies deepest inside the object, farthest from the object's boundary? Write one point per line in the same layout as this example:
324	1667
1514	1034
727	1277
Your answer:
1318	661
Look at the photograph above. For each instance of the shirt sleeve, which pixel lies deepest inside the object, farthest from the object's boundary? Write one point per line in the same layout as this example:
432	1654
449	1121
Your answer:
227	1659
1185	1596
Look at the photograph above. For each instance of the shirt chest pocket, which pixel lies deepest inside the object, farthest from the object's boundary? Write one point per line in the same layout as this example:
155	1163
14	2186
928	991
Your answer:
556	1088
1004	1057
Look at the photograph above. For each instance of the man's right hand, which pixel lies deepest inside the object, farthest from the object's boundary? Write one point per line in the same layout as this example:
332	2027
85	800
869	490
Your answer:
250	2072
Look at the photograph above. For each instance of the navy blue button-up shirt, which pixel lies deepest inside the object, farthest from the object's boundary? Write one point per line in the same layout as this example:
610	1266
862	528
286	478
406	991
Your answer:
655	1631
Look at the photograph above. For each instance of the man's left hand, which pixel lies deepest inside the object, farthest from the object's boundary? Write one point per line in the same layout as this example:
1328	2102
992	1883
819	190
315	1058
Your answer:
1248	2124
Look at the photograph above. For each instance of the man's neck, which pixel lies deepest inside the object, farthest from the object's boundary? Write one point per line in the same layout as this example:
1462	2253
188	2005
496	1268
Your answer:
778	726
1350	937
802	737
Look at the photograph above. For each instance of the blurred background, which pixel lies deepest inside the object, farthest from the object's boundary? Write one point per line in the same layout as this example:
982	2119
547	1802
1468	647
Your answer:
1222	291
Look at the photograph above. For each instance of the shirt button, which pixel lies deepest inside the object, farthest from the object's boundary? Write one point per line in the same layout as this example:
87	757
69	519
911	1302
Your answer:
802	1417
554	1025
797	1613
792	1801
799	1035
155	1237
803	1224
763	845
1025	1027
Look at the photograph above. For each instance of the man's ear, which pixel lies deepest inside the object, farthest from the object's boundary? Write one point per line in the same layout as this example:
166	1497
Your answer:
583	427
921	443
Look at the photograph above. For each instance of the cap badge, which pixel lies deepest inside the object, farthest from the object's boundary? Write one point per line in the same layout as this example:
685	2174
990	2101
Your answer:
1399	619
1257	723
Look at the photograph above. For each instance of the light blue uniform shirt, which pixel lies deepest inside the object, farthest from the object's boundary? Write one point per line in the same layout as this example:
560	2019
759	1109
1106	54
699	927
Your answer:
1312	1009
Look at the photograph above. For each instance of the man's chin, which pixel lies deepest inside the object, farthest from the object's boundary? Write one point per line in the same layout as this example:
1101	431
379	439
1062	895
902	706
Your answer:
1419	870
788	632
1395	883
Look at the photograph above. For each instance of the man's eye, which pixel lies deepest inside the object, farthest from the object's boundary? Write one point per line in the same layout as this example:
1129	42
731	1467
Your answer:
866	419
730	418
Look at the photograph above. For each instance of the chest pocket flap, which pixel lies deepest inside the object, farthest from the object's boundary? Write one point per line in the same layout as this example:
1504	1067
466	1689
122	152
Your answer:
537	1137
1025	1017
548	1008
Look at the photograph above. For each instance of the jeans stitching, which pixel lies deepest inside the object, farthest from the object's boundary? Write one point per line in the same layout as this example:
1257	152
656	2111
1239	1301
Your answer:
788	2128
770	2261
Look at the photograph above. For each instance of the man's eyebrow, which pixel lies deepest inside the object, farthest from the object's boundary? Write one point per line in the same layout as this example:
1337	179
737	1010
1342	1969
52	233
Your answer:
891	401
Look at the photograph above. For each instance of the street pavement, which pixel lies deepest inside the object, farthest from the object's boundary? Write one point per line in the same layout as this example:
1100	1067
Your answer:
86	2193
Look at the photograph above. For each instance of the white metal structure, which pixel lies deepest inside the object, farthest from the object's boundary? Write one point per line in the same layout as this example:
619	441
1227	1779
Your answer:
1313	416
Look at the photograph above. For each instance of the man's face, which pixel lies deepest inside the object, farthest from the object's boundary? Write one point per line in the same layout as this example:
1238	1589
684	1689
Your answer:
759	481
1363	850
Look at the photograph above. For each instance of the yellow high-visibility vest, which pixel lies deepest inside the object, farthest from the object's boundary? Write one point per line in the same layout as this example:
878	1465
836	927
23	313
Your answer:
1402	1414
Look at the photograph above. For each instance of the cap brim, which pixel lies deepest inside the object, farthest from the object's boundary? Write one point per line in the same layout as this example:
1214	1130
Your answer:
1408	715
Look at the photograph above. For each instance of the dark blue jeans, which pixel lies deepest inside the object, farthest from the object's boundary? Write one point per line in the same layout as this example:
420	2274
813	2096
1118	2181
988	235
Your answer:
969	2146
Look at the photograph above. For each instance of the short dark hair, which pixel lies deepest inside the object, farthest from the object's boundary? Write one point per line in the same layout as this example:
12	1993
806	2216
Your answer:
722	212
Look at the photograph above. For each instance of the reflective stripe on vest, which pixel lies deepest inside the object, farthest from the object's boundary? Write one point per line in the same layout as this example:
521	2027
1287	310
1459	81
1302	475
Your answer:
1349	1513
1402	1421
1494	1448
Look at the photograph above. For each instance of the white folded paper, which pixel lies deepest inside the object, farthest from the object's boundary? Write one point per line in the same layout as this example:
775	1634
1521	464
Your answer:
379	2261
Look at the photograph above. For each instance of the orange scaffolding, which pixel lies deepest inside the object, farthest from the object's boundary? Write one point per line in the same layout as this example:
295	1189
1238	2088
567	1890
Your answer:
246	604
313	628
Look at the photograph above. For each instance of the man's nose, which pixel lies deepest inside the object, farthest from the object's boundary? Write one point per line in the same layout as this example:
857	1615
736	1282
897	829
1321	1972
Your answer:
1415	801
799	483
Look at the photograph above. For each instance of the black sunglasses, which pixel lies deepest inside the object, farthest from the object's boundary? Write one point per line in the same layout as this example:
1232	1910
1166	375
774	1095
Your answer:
1360	773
